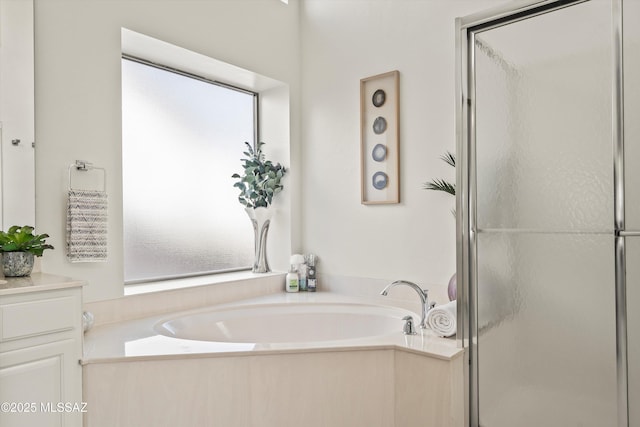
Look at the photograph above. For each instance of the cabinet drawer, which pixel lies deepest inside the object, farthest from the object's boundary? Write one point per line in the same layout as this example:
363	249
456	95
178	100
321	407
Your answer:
45	316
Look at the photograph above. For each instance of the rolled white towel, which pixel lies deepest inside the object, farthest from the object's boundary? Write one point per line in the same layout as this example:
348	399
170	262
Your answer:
442	319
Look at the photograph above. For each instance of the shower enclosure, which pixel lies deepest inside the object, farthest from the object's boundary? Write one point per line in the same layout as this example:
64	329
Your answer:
549	213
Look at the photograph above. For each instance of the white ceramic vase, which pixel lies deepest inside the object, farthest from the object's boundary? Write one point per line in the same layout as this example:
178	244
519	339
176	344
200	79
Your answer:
261	219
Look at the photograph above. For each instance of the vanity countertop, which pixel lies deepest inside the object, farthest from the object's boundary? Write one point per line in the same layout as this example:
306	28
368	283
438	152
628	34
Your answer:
35	283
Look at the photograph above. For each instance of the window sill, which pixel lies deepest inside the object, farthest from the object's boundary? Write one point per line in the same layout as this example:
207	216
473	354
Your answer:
190	282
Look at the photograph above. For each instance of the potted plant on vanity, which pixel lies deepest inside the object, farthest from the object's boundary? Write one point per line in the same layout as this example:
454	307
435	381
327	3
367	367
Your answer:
258	184
439	184
18	246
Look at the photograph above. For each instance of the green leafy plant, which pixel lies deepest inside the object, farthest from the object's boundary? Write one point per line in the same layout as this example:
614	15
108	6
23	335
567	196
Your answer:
439	184
22	239
261	179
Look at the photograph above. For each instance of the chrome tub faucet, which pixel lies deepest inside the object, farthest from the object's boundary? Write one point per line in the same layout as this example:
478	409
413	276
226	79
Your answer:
424	299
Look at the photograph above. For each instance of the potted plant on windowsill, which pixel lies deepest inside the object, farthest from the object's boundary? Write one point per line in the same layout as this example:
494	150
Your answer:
18	246
258	184
439	184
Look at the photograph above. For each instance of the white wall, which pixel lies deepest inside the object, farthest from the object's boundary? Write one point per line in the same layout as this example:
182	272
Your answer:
321	49
344	41
78	105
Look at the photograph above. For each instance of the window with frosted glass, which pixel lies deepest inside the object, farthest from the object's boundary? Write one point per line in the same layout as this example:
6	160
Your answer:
182	139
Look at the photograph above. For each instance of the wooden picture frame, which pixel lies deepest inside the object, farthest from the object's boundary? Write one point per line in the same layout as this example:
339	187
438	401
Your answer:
380	138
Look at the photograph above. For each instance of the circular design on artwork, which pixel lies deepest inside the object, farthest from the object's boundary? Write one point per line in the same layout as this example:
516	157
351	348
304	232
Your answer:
379	125
379	152
379	180
379	97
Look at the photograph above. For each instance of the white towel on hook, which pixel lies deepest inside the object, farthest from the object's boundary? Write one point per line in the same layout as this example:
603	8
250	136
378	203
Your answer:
87	226
442	319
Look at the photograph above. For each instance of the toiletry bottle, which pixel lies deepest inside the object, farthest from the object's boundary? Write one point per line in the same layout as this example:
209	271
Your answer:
292	284
302	276
311	273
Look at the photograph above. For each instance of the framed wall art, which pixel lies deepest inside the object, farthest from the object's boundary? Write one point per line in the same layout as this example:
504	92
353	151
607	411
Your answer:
380	138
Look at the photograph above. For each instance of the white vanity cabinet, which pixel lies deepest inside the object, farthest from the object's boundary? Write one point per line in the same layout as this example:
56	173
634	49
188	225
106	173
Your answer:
40	353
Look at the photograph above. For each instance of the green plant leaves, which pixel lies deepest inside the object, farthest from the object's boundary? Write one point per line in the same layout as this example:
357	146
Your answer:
21	239
449	158
440	184
260	180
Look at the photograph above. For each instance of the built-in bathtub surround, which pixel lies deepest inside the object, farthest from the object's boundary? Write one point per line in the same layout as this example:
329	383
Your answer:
369	387
137	374
182	294
185	333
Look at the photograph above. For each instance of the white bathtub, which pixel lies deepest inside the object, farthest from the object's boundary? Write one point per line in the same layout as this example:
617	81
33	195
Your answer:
286	323
281	321
280	360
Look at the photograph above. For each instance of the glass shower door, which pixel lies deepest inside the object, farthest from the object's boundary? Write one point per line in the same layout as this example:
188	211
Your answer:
631	44
545	259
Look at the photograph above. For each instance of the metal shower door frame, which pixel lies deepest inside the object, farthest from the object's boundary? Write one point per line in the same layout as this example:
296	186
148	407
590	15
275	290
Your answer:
466	231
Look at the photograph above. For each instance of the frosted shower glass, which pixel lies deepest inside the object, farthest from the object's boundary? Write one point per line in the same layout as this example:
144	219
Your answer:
631	45
546	345
546	348
633	328
543	121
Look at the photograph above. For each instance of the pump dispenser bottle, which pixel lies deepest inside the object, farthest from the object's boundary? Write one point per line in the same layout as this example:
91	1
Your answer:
312	282
302	276
293	279
293	283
